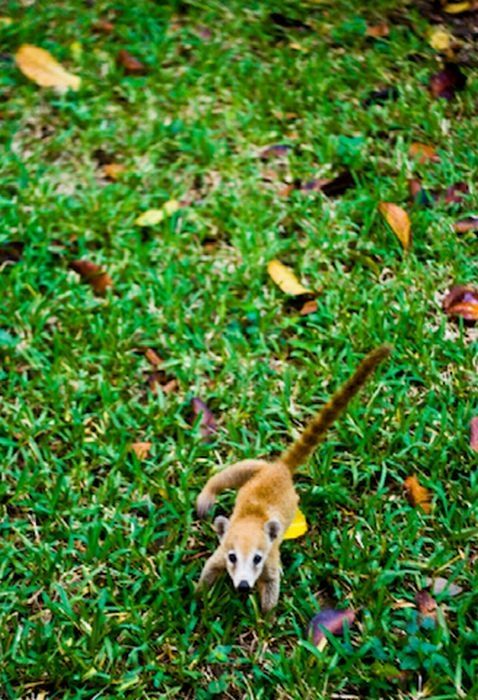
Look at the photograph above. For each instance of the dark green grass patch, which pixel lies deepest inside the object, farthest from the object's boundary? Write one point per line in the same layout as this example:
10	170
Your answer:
100	551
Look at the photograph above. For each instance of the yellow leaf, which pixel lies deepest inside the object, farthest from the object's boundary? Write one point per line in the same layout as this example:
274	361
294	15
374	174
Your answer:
439	39
5	21
454	8
76	50
285	279
417	494
155	216
40	66
399	221
297	527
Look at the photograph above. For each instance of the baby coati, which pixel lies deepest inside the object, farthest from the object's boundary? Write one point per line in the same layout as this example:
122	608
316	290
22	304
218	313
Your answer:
267	501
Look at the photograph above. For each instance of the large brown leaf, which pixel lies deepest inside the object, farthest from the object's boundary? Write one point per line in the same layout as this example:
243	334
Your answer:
92	274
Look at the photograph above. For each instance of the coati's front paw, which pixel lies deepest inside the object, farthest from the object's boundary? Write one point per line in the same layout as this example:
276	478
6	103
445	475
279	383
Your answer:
269	592
204	503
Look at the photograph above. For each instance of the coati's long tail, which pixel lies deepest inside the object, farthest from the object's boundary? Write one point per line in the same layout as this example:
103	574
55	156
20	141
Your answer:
312	435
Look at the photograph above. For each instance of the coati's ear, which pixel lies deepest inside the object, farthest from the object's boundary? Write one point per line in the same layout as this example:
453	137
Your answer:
273	529
220	525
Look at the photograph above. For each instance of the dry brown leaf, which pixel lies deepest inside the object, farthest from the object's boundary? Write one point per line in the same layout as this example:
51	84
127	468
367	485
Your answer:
92	274
141	449
310	307
462	300
426	605
207	423
417	494
285	279
474	434
103	26
399	221
113	171
468	224
378	31
152	357
130	64
40	66
423	152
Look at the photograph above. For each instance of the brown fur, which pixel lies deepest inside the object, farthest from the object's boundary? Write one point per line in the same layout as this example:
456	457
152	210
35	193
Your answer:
267	501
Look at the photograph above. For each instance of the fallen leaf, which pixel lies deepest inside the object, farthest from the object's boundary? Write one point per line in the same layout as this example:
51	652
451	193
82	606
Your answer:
462	301
11	252
399	221
423	152
274	151
297	527
130	64
456	193
310	307
378	31
419	194
456	8
141	449
207	424
440	585
474	434
331	620
427	606
6	21
447	81
92	274
39	66
103	26
153	357
161	380
285	279
381	96
439	39
417	495
465	225
113	171
151	217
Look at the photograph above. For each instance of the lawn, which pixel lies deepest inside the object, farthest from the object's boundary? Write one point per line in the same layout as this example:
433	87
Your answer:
101	547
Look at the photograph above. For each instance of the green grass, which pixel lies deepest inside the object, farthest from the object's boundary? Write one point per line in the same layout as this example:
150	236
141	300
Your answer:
100	552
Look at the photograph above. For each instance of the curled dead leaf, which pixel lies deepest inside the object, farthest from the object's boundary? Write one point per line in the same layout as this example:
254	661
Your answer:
207	423
141	449
130	64
92	274
153	357
378	31
310	307
462	300
417	495
285	279
113	171
39	66
468	224
447	82
474	433
399	221
423	152
426	604
331	620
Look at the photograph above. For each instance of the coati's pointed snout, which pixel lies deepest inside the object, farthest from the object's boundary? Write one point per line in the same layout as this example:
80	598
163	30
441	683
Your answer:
243	587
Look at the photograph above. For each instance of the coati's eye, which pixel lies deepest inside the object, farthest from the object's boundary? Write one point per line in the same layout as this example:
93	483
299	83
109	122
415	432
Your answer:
257	559
232	558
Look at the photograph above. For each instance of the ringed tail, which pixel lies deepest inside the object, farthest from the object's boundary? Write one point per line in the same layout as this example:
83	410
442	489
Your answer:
295	455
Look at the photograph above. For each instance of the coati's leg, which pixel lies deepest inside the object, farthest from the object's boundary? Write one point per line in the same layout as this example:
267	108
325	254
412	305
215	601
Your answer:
269	582
214	566
234	476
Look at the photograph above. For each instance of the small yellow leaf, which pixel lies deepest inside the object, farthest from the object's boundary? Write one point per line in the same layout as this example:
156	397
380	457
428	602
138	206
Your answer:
40	66
454	8
399	221
151	217
439	39
5	21
76	50
297	527
285	279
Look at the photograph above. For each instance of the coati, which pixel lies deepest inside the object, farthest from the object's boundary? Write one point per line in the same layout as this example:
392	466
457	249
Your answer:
267	501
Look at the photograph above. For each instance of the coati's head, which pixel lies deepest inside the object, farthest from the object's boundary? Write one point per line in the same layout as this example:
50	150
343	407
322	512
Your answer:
246	544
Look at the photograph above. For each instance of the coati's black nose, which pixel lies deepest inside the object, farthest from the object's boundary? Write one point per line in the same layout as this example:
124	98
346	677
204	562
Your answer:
243	587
